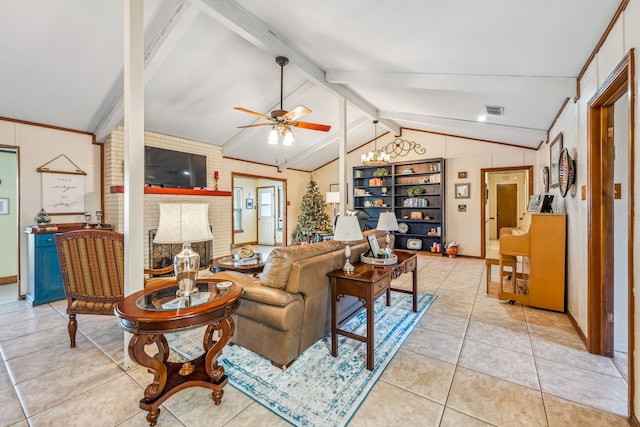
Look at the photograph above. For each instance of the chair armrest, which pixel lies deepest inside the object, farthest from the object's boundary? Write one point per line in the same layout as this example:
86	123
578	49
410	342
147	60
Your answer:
158	271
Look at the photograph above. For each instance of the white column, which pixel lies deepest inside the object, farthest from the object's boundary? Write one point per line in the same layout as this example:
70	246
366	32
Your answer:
342	160
133	151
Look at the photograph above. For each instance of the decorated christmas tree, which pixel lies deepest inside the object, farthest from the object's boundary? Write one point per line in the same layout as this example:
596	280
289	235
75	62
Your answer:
313	219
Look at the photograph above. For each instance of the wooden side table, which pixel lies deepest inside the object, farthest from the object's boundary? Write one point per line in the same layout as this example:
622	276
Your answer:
156	310
368	282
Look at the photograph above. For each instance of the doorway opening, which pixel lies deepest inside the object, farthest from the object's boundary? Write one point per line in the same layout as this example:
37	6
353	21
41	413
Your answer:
259	210
602	203
9	220
505	192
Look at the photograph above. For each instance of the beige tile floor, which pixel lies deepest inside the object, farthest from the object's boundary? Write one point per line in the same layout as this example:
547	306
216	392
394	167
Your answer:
472	361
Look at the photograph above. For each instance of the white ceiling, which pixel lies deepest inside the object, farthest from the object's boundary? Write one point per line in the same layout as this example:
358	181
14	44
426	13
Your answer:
419	64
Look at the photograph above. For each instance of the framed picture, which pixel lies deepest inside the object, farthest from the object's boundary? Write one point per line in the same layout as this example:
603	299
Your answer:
373	244
462	175
249	203
4	206
462	208
462	191
534	203
63	193
554	160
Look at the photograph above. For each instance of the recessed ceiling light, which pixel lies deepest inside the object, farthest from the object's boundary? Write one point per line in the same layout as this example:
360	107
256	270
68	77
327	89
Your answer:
482	118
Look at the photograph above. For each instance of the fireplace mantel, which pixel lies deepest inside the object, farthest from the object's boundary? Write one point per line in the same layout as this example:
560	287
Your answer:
180	191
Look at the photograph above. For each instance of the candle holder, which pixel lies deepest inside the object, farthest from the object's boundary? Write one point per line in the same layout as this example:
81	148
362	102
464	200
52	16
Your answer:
216	183
99	218
87	218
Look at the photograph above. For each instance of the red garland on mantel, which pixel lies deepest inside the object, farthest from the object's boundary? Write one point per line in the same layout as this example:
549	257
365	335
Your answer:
180	191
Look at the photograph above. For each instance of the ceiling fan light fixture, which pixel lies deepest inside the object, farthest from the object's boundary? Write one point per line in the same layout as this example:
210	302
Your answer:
273	136
288	138
375	157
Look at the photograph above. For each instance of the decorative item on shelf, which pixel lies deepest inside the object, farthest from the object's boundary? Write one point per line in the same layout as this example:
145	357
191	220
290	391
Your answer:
424	180
451	249
42	218
375	157
408	171
384	190
387	222
380	172
184	223
347	230
427	217
414	191
375	182
416	215
357	173
367	203
403	227
433	233
99	218
414	244
377	203
87	219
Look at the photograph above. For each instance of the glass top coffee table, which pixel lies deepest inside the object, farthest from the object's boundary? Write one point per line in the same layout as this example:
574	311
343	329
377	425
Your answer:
156	310
227	262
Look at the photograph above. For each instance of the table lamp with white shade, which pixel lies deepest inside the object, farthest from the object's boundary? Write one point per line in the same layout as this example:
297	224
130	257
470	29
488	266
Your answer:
333	197
387	222
347	230
184	223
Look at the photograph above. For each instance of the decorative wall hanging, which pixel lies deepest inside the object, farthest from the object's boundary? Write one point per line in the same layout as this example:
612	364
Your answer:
566	172
462	191
545	178
62	190
401	147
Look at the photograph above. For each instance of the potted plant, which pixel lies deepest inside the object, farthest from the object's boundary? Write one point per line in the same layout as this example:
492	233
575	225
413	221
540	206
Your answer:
381	172
414	191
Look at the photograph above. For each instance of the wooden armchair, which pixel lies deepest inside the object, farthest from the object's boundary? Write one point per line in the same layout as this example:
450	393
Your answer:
92	267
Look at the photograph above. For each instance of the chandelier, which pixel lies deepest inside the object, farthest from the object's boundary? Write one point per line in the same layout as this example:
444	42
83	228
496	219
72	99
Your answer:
375	157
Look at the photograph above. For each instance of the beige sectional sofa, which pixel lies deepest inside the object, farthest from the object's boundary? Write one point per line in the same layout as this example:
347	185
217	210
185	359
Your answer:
285	310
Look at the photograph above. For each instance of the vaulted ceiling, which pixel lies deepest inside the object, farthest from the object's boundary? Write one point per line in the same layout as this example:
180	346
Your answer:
420	64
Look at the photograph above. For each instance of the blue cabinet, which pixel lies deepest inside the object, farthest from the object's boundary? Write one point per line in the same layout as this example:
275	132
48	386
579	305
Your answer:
45	280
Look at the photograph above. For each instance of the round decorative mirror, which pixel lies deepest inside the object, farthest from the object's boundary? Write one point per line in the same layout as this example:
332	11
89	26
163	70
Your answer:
566	172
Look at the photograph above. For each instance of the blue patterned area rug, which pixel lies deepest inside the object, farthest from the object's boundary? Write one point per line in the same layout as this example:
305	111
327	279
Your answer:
318	389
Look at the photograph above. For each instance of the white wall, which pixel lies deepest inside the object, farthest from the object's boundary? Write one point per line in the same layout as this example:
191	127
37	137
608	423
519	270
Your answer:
39	145
625	35
461	154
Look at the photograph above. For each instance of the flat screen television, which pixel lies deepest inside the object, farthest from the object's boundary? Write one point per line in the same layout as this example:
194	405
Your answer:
174	169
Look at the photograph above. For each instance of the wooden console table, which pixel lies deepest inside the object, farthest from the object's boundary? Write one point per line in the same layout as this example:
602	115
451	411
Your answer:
368	282
156	310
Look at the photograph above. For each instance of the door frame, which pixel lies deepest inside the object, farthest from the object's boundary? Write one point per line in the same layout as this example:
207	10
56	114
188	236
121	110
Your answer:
483	197
600	194
17	206
285	204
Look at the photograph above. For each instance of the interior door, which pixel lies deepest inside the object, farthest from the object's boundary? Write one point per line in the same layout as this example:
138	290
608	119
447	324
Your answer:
507	206
266	216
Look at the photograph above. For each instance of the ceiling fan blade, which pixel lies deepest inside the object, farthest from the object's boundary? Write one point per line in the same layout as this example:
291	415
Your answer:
256	125
252	112
297	112
312	126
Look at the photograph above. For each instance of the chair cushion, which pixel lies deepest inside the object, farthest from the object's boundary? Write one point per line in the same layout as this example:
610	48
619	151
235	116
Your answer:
93	305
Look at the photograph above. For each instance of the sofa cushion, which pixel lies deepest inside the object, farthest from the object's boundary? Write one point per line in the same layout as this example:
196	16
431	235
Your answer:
278	266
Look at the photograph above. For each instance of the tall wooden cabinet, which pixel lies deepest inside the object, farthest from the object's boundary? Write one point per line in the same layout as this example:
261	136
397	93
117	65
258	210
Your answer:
539	245
389	187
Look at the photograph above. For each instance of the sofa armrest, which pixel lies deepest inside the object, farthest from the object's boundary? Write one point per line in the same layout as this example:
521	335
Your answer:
254	290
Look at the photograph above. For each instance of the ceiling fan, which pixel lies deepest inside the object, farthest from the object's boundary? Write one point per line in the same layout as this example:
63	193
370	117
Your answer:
281	119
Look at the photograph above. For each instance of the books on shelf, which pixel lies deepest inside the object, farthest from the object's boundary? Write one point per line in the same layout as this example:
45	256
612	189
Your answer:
415	202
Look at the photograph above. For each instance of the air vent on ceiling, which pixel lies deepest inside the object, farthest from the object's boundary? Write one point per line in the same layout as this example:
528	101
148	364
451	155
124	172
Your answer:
494	110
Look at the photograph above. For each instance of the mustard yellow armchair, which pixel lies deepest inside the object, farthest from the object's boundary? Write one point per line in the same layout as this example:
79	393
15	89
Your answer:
92	267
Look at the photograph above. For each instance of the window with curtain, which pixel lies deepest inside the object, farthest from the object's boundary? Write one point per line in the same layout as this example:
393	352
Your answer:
237	209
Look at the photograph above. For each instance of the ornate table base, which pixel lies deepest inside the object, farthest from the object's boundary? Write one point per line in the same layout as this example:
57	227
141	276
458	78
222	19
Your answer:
170	377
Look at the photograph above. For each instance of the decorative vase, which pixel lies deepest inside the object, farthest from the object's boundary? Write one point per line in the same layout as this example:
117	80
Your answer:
452	251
